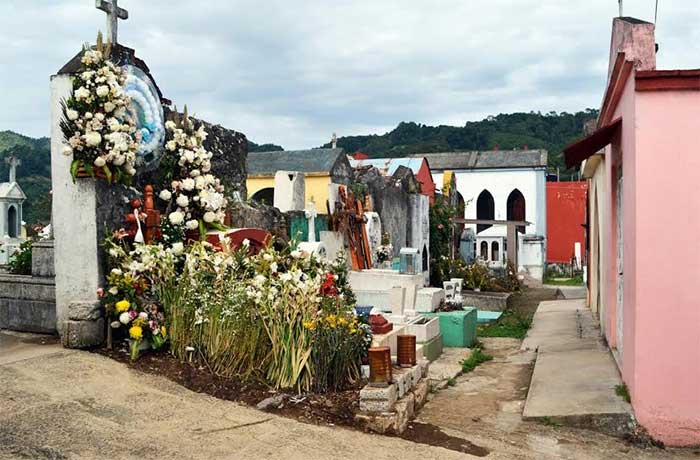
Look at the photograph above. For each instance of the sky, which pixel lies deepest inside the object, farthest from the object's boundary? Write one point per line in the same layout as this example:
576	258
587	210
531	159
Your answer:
294	72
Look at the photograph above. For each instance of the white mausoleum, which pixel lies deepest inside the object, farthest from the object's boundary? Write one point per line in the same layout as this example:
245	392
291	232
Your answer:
11	199
501	185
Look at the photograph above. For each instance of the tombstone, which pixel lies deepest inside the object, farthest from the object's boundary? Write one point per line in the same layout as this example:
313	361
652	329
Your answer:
419	230
373	225
83	208
312	246
11	199
397	299
289	191
466	245
450	288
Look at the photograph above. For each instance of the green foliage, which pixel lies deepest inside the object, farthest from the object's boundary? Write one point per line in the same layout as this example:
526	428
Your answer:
551	131
441	241
21	261
253	147
575	281
451	382
551	422
33	175
476	357
623	392
512	323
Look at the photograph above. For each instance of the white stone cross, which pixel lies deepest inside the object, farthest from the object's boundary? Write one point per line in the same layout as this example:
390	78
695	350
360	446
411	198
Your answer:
13	162
114	14
334	141
311	214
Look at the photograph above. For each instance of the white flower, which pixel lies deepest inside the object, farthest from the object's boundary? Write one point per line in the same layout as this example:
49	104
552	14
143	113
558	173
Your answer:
116	271
100	116
176	217
102	91
72	114
192	224
296	253
81	93
188	184
88	115
194	173
170	125
113	252
92	138
209	217
165	195
171	145
115	324
113	291
182	201
109	106
245	242
67	151
273	267
99	162
143	315
131	171
267	257
124	318
189	348
178	248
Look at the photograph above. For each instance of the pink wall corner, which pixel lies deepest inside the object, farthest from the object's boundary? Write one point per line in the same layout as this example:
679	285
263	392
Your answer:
666	394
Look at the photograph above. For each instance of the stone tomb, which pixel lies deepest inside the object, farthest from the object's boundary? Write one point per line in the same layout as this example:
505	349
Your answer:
290	190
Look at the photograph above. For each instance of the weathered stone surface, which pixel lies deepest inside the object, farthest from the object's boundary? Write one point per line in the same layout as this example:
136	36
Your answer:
229	149
82	334
405	409
244	215
42	259
379	423
373	399
27	303
403	379
421	391
84	311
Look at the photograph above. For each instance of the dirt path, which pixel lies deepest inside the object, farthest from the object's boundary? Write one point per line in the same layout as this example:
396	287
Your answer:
484	407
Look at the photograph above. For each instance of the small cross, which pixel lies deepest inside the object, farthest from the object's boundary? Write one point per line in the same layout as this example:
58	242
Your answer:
13	162
114	14
311	214
334	141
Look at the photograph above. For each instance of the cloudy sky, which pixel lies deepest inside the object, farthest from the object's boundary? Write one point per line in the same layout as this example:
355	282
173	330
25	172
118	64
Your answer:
293	72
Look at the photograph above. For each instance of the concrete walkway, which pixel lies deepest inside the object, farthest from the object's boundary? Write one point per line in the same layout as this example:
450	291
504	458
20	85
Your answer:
575	376
62	404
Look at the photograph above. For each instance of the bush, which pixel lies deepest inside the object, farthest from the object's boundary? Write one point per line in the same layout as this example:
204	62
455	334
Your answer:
21	261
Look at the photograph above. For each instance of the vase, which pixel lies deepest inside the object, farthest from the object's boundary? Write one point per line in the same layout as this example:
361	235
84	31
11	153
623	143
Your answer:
82	173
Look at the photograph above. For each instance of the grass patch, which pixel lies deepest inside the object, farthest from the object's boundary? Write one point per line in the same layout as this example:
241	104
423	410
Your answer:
623	392
575	281
451	382
510	324
550	422
476	357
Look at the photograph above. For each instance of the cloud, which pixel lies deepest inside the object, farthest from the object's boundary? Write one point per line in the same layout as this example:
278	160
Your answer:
295	72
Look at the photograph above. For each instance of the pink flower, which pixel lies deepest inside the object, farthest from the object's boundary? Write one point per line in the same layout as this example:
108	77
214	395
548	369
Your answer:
100	292
440	226
133	314
153	325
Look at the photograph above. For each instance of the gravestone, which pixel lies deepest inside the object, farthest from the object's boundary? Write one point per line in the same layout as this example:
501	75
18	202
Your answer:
373	225
289	191
419	229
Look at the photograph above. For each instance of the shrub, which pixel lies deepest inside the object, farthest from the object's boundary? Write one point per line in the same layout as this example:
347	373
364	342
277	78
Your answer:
21	261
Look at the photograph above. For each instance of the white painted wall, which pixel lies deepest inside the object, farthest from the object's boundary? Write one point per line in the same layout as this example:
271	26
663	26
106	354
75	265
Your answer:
500	183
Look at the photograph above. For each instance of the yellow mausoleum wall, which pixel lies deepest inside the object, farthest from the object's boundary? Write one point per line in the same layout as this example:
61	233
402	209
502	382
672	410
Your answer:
316	187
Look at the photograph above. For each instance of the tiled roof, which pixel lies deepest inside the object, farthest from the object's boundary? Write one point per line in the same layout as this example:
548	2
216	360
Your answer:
487	159
305	161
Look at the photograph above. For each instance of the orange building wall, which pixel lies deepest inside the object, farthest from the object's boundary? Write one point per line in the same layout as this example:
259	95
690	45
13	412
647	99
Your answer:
566	214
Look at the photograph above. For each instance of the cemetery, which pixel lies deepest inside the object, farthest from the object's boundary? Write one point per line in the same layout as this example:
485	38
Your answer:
305	283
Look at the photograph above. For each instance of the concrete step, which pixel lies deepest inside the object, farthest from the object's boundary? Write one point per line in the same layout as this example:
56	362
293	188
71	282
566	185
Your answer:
575	376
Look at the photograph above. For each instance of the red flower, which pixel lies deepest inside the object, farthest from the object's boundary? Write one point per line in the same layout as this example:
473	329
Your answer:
328	288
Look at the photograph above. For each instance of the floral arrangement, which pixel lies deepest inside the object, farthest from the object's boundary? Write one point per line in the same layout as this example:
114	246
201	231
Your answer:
270	315
384	252
100	134
136	283
196	197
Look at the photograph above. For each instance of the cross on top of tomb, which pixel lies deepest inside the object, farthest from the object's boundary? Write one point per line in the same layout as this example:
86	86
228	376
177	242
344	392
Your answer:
14	162
334	141
114	14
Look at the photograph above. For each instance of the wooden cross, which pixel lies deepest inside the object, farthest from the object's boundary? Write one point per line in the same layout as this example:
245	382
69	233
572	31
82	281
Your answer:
13	162
114	14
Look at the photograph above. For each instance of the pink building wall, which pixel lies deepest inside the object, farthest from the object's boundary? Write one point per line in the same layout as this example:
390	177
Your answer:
660	358
666	393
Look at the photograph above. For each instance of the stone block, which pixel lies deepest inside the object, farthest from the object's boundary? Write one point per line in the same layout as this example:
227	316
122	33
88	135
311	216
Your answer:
425	329
28	315
364	370
379	423
397	297
42	259
376	399
405	409
421	393
333	242
424	365
404	381
416	374
428	299
491	301
84	311
82	334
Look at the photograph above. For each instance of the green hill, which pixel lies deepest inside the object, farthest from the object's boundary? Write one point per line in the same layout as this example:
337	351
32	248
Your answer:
33	175
551	131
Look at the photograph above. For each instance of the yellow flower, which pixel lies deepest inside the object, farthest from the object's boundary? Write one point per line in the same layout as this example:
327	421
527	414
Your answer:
309	325
139	321
123	305
163	331
136	332
342	321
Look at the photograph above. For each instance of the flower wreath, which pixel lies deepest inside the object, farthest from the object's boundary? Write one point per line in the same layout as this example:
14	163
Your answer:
97	128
